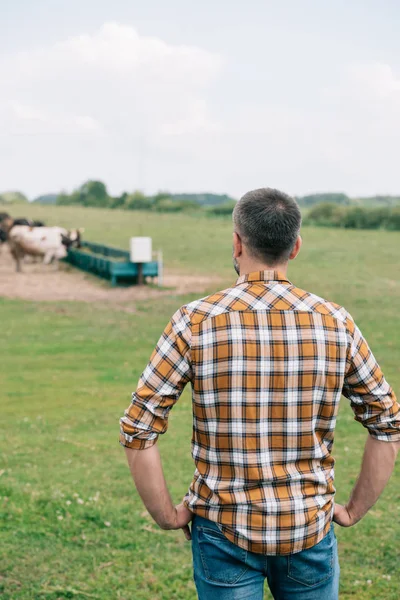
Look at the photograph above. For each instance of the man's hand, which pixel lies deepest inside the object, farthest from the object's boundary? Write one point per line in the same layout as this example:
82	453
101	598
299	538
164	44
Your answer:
181	519
343	517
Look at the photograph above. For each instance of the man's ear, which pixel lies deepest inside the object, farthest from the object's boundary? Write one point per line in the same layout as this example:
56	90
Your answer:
296	248
237	245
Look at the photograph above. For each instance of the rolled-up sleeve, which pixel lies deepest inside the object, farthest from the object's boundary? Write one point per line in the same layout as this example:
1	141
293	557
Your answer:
160	385
372	399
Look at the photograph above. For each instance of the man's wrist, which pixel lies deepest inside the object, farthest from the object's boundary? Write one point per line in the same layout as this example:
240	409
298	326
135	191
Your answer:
353	513
168	521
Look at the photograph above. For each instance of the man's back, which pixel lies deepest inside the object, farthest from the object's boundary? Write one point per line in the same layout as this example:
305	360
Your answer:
268	363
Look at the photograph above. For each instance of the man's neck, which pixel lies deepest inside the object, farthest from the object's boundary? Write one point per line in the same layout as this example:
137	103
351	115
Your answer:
253	267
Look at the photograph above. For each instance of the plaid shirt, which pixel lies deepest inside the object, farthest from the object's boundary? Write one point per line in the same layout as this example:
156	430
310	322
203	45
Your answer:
267	363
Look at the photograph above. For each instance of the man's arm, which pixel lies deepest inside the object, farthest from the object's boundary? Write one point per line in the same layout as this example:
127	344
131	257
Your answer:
377	467
148	475
160	386
375	406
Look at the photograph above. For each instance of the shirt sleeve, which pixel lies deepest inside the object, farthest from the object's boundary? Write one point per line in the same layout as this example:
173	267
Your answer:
160	385
372	399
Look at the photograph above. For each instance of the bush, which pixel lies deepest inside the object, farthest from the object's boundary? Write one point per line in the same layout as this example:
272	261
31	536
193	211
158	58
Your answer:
64	199
13	198
138	201
225	209
327	198
332	210
326	214
170	205
393	222
91	193
167	205
377	218
365	218
94	193
355	217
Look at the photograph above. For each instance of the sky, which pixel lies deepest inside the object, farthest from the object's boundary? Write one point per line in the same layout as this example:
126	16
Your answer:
221	96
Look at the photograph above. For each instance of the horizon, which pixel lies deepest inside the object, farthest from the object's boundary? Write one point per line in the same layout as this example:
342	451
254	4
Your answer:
194	193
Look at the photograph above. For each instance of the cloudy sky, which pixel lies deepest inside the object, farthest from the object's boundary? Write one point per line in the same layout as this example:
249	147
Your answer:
210	96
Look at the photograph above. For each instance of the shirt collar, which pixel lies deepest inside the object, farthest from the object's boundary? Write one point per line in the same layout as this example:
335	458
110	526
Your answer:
269	275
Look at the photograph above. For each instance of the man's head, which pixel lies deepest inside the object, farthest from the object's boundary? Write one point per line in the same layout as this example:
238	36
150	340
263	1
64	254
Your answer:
266	230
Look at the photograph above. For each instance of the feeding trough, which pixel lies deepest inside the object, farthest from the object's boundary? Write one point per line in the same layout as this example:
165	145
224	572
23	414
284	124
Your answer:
121	267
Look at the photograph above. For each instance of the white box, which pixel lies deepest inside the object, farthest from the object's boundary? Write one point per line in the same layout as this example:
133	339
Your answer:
141	249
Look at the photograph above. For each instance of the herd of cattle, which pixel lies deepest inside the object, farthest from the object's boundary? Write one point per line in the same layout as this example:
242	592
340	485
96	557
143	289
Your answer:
33	238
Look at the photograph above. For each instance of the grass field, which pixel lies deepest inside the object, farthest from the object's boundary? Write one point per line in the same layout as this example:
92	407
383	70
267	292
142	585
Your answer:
72	525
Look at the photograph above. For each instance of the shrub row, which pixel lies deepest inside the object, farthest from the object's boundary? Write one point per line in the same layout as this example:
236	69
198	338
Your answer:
335	213
95	194
354	217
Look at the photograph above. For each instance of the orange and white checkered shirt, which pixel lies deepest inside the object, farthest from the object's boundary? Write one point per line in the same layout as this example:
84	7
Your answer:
267	363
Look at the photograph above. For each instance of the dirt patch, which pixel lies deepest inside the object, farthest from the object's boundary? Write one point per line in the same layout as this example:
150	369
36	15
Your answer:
40	282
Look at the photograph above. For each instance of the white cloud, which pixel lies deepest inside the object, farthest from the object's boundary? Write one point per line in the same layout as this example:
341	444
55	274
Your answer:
377	78
30	120
136	111
366	90
362	126
90	106
114	81
345	138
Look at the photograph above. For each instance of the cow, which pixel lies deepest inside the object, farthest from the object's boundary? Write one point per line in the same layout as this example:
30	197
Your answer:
51	243
3	238
6	222
23	221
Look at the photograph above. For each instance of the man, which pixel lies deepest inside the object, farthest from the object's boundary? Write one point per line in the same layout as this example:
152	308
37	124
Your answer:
267	363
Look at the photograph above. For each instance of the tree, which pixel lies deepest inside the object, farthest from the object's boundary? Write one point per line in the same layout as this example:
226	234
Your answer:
205	199
94	193
65	199
46	199
91	193
119	201
160	197
393	222
225	209
138	201
326	213
366	218
13	198
335	198
170	205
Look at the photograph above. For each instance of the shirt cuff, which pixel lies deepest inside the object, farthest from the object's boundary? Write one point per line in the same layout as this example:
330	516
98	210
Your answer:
389	435
137	443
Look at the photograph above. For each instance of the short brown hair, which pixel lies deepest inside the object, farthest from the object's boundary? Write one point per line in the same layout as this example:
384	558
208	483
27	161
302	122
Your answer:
268	221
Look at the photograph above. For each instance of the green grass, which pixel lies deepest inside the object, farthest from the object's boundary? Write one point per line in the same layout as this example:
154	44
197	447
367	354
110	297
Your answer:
67	373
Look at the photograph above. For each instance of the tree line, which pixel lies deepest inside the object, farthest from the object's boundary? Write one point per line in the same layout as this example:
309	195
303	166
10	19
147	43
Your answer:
328	214
94	193
324	209
328	210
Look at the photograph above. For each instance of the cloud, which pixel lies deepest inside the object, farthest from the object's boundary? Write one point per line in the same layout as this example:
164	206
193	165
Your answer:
362	124
112	104
366	90
30	120
344	138
377	78
139	112
113	82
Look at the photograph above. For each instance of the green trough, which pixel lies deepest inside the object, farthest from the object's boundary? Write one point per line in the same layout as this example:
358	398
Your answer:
111	263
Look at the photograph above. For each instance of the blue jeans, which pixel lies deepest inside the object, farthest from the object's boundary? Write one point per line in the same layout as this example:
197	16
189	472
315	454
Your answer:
223	571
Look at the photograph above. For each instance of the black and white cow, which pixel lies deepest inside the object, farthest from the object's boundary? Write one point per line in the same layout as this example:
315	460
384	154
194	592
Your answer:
51	243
